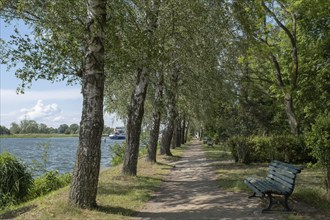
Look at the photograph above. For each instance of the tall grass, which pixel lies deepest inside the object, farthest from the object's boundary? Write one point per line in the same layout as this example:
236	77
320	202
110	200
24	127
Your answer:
15	180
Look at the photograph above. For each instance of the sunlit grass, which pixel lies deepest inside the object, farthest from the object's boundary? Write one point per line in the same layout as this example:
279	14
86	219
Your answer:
119	197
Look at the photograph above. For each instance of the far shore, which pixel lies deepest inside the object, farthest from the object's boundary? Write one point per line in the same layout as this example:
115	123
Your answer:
39	135
42	135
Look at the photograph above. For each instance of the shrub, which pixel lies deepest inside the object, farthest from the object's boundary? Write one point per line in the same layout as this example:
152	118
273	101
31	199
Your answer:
15	180
240	149
318	141
117	152
288	148
48	182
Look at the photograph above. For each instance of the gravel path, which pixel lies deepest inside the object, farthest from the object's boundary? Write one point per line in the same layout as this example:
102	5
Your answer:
192	192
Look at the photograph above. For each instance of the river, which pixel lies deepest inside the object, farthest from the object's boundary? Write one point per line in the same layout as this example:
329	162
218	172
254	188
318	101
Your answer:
51	153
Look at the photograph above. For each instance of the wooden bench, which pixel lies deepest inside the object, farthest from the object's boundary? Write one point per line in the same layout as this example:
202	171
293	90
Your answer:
210	143
280	180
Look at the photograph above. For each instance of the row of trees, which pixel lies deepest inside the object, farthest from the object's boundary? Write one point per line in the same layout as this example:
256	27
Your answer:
222	67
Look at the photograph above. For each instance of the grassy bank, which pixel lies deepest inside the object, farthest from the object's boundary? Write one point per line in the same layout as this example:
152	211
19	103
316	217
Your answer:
309	183
118	197
38	135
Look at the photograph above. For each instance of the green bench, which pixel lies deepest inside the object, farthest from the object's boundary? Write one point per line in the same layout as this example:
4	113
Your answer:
280	180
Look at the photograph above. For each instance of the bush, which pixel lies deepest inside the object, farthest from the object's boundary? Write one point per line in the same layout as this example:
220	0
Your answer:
48	182
318	141
240	149
15	180
117	153
288	148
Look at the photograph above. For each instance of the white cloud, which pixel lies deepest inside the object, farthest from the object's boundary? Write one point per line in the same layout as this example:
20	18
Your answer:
41	112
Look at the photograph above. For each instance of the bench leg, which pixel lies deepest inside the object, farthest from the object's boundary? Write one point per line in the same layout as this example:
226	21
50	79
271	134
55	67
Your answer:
271	203
253	195
285	204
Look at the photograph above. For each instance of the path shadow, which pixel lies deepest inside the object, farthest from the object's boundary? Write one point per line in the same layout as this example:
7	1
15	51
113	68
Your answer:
17	212
116	210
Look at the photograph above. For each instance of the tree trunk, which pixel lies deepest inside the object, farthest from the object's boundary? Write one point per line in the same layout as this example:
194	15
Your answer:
85	176
178	134
174	136
154	132
183	131
135	116
186	132
327	180
170	93
290	114
167	137
153	139
288	100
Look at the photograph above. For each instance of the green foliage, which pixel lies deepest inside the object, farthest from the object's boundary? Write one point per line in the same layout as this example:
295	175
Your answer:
48	182
318	140
117	152
15	180
4	130
287	148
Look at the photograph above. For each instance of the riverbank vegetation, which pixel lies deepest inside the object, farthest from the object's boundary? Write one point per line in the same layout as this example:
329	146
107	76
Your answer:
246	72
17	184
118	196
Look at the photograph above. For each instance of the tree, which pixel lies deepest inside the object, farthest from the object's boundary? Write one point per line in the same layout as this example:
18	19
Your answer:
43	128
74	128
272	30
83	189
28	127
14	128
4	130
66	46
62	128
136	107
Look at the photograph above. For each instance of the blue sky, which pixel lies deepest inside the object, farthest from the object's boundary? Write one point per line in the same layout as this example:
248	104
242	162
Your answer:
50	103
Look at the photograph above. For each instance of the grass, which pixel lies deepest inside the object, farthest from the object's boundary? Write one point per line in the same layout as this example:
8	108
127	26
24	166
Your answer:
119	197
309	183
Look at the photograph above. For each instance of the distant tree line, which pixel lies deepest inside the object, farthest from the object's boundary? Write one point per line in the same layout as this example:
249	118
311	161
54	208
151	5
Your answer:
32	127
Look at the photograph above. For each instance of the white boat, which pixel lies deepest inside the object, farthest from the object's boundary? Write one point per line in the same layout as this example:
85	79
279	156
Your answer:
119	134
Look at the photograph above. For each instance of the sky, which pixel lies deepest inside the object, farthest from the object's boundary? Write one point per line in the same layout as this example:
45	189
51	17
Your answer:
50	103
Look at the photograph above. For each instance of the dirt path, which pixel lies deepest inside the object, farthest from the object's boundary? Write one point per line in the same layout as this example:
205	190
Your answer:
192	192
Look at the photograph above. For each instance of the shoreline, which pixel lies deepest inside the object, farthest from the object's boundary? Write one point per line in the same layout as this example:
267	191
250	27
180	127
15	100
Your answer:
42	136
38	136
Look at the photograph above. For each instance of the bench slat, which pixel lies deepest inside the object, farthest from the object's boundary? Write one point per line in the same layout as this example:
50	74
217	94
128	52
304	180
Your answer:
282	179
264	186
286	166
254	189
281	173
